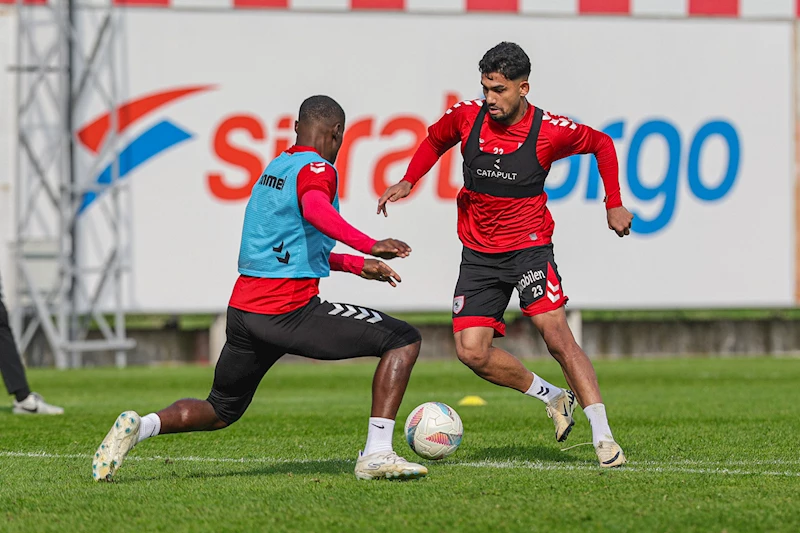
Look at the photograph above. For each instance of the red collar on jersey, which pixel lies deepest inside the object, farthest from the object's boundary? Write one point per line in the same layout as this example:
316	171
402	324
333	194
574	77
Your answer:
297	148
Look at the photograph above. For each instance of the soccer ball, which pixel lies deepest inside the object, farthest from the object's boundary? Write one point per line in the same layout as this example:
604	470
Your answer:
434	430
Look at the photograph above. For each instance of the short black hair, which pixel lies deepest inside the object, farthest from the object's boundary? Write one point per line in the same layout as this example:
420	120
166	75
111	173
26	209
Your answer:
508	59
321	109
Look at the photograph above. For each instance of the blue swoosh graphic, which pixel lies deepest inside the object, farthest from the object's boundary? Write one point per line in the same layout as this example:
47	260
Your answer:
149	144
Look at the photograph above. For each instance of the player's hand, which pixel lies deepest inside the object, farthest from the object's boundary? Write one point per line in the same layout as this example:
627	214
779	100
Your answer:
392	194
619	220
390	248
380	271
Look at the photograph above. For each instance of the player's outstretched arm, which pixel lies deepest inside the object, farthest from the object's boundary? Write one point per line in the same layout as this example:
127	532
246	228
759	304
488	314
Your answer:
390	248
423	160
366	268
380	271
392	194
353	264
568	138
602	146
442	135
319	212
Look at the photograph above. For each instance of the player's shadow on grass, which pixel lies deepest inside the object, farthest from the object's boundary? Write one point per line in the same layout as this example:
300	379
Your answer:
232	470
326	466
525	453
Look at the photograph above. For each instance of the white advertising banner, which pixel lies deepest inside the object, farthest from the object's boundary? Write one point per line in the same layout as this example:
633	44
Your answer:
700	111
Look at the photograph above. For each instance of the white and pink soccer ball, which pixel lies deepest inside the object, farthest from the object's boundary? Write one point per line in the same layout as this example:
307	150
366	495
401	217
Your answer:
434	430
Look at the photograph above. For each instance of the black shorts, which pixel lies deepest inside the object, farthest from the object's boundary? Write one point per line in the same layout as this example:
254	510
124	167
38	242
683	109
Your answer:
318	330
486	282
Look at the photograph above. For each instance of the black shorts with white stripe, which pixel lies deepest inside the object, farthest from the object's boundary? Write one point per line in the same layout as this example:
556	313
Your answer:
319	330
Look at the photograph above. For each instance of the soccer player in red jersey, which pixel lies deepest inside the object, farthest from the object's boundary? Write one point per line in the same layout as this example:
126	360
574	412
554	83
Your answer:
508	147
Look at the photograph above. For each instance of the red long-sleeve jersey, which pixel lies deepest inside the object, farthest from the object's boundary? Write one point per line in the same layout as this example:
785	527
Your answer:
494	224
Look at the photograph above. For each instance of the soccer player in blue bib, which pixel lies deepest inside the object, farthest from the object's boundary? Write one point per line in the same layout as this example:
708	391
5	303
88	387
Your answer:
291	224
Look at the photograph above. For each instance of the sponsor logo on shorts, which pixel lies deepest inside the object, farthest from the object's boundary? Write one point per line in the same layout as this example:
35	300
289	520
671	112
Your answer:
529	278
458	304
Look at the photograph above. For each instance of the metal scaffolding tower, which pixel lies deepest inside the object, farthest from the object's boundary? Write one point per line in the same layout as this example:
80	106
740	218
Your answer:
70	262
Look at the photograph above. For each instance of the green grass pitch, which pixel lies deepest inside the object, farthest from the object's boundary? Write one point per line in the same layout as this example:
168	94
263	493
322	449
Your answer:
713	445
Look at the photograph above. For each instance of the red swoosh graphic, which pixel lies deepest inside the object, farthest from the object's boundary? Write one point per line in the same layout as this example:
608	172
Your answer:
93	134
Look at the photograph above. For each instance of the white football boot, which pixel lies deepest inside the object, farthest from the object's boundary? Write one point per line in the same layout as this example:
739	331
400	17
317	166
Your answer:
34	404
560	411
610	455
122	436
387	465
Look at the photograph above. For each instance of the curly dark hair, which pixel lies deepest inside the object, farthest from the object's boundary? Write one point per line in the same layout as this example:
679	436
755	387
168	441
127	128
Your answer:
508	59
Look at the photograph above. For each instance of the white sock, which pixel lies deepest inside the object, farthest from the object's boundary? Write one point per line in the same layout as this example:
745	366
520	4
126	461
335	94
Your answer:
150	426
379	438
542	390
596	413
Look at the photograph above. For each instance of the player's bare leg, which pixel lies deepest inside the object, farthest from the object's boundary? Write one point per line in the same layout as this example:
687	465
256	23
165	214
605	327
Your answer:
577	368
129	429
581	377
378	460
187	415
182	416
391	379
475	349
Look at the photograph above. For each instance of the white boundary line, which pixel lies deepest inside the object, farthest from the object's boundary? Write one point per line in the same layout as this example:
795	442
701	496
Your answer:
646	467
274	460
691	467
